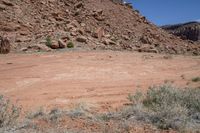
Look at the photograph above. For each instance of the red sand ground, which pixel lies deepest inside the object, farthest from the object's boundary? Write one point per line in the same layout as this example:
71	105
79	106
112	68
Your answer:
102	78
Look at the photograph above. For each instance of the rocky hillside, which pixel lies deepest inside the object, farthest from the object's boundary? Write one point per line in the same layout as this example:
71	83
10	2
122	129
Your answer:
187	31
88	24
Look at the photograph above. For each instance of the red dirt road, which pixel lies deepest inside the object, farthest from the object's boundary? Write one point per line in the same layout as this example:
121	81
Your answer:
101	78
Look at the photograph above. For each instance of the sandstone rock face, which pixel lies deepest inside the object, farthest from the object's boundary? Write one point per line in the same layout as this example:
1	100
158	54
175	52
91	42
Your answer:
4	45
189	31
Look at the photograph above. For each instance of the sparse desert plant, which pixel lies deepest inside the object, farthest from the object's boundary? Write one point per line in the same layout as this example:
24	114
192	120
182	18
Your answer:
48	41
131	97
80	110
9	113
105	117
70	45
196	79
137	97
75	113
54	116
34	114
168	107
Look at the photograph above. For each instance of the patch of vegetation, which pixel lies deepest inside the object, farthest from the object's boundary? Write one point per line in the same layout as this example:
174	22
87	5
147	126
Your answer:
35	114
77	112
70	45
167	107
8	113
196	79
136	98
48	41
56	114
105	117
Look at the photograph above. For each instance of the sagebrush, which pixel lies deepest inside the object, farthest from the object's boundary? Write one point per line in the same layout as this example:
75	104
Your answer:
9	113
167	107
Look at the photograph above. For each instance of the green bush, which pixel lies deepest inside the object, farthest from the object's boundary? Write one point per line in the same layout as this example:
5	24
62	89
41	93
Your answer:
48	41
70	45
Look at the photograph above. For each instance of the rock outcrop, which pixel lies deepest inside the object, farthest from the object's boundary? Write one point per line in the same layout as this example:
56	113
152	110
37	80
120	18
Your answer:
187	31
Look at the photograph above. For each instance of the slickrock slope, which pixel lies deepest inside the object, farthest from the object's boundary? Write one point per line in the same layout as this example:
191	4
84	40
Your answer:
89	24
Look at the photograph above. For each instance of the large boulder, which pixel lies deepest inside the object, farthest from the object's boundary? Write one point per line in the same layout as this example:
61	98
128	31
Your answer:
54	45
81	39
4	45
61	43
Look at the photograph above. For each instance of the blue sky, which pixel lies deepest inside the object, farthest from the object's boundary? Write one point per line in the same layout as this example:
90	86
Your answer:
162	12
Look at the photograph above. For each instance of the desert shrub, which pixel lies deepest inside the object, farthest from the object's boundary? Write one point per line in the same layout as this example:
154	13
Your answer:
8	113
105	117
196	79
135	98
35	114
70	45
75	113
169	95
80	110
167	107
56	114
48	41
